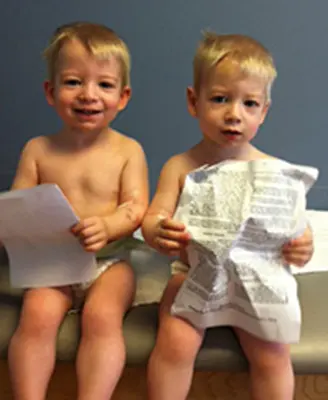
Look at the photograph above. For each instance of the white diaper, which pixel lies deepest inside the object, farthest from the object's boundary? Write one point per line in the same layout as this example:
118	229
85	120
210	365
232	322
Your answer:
79	290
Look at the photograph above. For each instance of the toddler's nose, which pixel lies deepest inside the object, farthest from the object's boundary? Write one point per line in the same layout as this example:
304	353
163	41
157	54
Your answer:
233	113
88	93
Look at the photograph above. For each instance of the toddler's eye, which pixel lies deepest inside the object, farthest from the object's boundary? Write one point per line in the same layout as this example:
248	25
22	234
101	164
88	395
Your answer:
72	82
251	103
219	99
106	85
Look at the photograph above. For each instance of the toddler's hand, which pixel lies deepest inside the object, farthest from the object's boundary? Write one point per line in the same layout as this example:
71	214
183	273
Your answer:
171	237
300	250
92	233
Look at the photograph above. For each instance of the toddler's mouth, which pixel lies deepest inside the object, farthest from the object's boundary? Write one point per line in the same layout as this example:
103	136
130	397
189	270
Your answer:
231	132
86	111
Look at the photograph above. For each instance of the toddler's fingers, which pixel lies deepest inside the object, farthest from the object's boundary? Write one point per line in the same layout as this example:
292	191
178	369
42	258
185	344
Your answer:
297	261
90	240
168	245
77	228
89	231
82	225
93	248
169	223
174	235
305	250
298	243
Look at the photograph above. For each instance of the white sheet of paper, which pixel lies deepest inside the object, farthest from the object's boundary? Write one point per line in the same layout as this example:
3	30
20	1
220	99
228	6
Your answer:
34	228
318	220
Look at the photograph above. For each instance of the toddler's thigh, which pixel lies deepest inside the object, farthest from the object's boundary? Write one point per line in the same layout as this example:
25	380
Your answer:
109	297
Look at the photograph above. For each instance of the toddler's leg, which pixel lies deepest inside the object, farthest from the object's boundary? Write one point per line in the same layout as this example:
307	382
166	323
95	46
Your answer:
32	350
171	364
271	370
101	355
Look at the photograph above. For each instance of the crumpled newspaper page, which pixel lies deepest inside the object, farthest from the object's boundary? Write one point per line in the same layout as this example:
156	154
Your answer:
239	215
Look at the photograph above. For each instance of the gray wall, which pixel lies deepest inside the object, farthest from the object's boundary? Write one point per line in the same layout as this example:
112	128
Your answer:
162	36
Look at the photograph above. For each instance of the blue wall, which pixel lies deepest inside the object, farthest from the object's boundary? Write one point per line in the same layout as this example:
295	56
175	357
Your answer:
162	36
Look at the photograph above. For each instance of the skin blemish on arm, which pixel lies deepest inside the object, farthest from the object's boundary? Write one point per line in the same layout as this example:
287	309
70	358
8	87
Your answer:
133	208
130	212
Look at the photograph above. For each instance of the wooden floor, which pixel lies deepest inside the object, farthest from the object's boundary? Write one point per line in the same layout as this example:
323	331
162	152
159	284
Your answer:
206	386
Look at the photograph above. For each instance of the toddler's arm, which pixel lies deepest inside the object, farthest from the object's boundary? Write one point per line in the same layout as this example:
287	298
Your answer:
159	229
134	197
27	173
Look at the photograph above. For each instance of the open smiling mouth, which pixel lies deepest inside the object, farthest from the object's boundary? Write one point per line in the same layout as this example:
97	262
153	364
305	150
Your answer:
86	112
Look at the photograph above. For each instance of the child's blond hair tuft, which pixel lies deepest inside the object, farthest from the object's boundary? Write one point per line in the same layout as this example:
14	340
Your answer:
252	57
99	40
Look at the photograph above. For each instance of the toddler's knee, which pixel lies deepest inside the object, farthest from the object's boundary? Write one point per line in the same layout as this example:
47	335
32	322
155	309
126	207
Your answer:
100	322
39	323
179	343
43	311
272	359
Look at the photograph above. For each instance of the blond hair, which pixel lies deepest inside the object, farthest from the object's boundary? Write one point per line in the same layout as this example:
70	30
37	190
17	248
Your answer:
99	40
252	58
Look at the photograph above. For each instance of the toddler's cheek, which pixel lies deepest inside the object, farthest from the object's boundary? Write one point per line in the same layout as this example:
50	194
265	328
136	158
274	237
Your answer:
253	128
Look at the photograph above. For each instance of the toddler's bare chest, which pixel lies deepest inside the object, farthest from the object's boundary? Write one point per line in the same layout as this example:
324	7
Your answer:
85	174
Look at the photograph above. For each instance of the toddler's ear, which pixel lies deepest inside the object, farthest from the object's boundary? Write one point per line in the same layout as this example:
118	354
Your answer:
125	98
265	112
49	92
191	101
